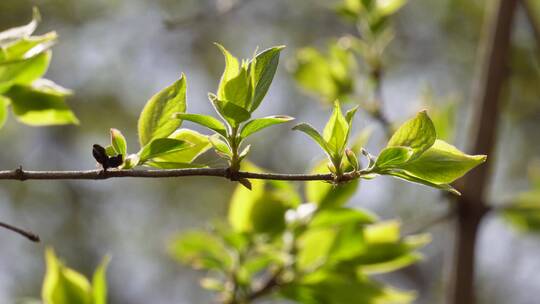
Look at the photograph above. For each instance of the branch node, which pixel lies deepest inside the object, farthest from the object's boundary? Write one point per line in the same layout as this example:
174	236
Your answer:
19	173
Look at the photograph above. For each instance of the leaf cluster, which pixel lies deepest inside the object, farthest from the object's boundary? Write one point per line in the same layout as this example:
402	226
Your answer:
24	60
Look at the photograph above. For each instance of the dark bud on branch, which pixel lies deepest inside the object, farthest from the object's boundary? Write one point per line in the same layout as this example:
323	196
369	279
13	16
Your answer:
100	154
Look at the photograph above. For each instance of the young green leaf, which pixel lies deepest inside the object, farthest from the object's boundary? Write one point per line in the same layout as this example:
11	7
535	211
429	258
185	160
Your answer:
118	142
205	121
352	159
336	131
99	282
23	72
198	144
315	135
221	147
160	147
232	113
258	124
4	103
261	209
393	156
16	33
262	69
389	7
442	163
39	106
156	119
437	167
524	212
200	249
232	69
26	48
63	285
417	133
329	76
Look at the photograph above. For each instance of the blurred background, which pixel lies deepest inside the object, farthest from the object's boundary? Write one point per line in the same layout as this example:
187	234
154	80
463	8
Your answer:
115	54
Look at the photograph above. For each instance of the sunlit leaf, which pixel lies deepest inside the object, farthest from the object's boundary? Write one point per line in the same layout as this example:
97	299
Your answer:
200	249
39	106
205	121
63	285
99	282
198	144
524	212
156	119
315	135
162	146
262	68
118	142
417	133
23	72
258	124
261	209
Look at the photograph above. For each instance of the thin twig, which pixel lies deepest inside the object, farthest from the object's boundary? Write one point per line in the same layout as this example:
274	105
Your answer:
22	175
27	234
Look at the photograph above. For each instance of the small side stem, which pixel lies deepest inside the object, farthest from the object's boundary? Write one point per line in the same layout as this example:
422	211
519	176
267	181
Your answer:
27	234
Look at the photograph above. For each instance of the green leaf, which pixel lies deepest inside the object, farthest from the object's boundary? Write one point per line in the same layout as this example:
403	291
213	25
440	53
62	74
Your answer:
393	156
205	121
261	209
63	285
524	212
442	163
330	77
201	250
232	69
336	217
263	68
258	124
352	159
389	7
325	194
118	142
229	111
156	119
26	48
417	133
336	132
198	144
172	165
16	33
23	72
99	282
234	87
315	135
4	103
220	146
336	288
40	105
160	147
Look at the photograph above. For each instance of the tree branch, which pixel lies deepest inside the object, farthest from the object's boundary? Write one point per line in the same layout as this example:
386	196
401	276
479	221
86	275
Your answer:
22	175
27	234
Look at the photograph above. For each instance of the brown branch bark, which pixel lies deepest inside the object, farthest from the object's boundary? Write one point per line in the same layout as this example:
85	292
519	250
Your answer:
22	175
493	58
